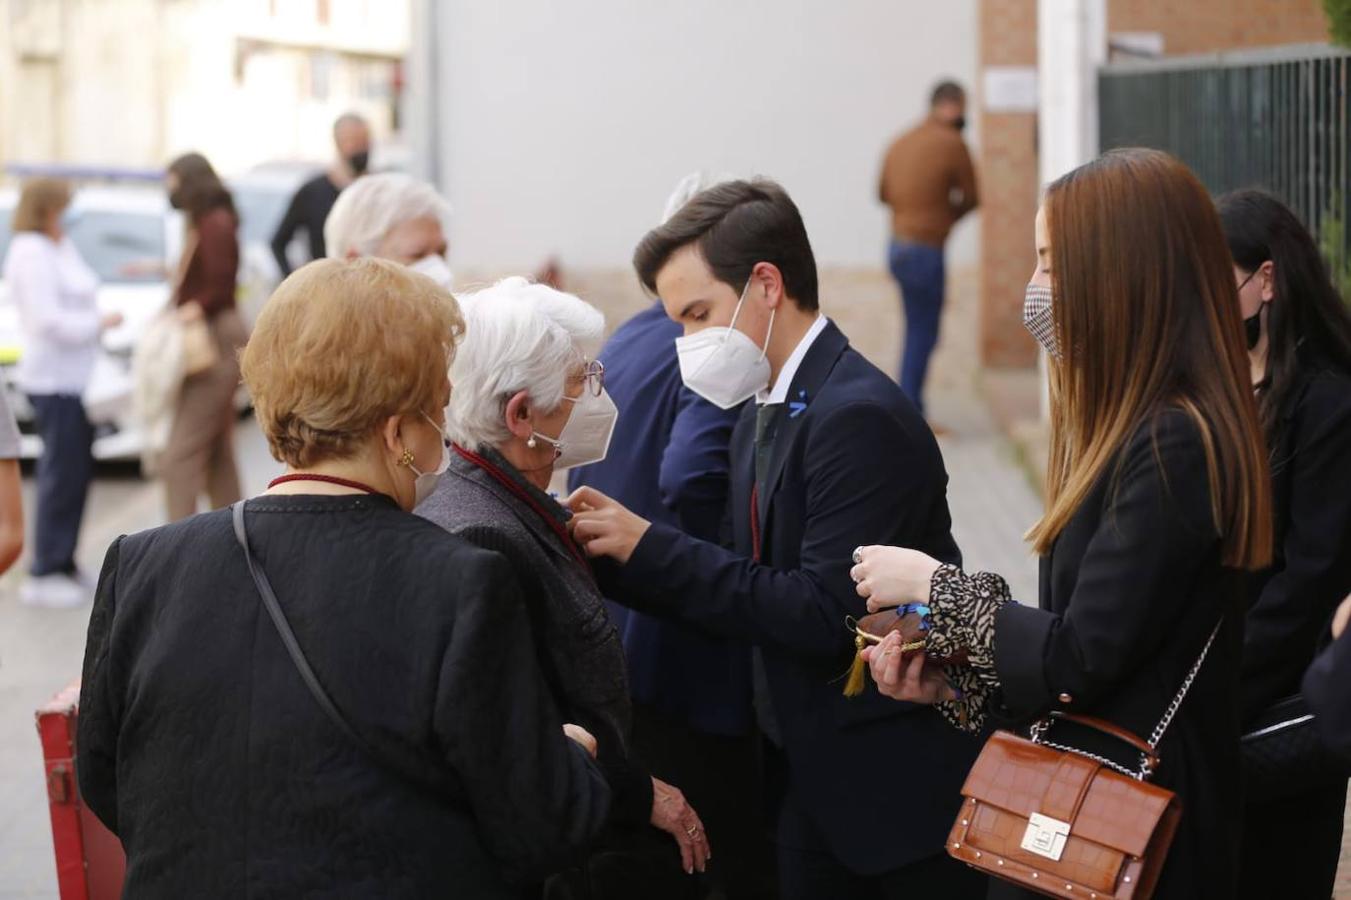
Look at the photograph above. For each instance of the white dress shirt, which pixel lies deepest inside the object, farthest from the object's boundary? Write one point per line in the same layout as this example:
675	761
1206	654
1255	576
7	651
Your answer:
779	392
54	292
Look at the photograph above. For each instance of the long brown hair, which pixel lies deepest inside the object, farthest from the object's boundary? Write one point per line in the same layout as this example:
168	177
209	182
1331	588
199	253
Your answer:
1146	316
199	186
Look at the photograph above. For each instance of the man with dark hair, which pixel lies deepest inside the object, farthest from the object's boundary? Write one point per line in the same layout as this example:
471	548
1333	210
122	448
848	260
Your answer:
929	183
829	456
315	198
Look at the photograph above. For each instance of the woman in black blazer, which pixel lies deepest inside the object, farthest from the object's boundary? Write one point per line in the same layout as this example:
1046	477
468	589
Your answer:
1157	501
1298	333
442	768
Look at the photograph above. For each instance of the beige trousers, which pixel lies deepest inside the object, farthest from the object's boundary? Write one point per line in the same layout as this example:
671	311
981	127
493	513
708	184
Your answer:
200	456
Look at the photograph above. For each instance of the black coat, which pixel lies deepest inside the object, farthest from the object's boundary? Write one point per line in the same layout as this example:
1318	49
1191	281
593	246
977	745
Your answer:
200	746
1129	593
1311	480
879	780
580	651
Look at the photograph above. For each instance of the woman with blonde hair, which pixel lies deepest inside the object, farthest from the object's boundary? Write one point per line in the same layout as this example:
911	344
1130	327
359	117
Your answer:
54	291
1157	505
317	693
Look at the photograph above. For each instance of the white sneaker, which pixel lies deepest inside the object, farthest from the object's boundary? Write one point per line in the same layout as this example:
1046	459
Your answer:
53	591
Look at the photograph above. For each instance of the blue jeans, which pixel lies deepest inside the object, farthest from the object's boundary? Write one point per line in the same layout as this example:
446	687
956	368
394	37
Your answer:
920	272
63	474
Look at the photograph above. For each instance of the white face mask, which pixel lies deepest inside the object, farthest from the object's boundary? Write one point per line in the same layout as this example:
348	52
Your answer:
426	482
723	365
585	439
434	266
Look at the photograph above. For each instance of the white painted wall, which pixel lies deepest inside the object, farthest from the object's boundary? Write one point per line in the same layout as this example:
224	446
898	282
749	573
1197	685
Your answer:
562	126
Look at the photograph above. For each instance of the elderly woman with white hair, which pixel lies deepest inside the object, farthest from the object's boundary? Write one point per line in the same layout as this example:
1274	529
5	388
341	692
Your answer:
529	400
393	216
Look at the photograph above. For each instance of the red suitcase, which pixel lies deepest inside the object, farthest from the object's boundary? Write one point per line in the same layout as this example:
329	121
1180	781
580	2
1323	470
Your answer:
89	860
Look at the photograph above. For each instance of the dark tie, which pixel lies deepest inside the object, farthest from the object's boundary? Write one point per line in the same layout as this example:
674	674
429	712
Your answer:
767	417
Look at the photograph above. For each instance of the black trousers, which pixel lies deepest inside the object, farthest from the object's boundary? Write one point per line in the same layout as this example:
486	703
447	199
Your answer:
721	778
1291	846
808	871
63	474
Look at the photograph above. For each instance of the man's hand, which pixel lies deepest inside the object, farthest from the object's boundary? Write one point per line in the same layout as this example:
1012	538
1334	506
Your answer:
673	814
603	526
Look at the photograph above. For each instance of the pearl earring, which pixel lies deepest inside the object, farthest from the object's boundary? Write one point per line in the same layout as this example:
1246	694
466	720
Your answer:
532	443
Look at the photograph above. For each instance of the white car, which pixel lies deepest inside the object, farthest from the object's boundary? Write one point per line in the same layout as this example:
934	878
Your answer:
115	225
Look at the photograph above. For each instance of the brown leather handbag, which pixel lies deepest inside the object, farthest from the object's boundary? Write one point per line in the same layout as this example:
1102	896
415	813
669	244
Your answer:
1067	823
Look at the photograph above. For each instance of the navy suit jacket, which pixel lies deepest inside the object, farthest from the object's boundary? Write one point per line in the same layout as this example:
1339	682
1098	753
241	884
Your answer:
668	463
856	464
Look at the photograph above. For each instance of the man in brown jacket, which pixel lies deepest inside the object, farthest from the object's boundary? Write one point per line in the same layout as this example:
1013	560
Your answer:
929	183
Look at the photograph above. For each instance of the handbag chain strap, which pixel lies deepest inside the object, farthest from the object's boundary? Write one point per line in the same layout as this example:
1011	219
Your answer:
1146	769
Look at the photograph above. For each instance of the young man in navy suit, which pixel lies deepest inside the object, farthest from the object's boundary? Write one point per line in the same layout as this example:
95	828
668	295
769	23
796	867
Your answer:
829	456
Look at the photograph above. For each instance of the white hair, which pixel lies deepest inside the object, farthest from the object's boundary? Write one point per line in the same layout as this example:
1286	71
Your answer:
374	205
687	187
519	336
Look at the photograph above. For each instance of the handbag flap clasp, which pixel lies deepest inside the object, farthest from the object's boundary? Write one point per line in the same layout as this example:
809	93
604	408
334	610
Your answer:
1045	836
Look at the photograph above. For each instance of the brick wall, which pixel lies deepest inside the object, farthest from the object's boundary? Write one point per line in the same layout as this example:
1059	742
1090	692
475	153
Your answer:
1206	26
1007	168
1007	165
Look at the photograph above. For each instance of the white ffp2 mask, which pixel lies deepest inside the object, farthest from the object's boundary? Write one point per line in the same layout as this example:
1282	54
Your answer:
585	439
425	482
723	365
434	266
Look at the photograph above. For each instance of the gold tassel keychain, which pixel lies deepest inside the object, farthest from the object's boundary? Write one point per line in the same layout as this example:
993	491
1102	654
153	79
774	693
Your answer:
854	684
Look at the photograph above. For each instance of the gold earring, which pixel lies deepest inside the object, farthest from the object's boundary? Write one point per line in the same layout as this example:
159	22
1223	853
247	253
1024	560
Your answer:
406	457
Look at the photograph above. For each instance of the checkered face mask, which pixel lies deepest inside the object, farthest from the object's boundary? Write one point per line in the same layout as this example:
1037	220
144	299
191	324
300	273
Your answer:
1037	317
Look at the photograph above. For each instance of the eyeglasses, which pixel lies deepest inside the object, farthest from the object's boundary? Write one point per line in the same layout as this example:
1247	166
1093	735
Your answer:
593	377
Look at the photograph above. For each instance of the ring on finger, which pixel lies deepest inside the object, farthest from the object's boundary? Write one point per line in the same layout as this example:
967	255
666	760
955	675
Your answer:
858	555
692	831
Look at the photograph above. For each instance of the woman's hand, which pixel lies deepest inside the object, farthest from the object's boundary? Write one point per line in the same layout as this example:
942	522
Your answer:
1341	618
673	814
581	736
915	679
892	576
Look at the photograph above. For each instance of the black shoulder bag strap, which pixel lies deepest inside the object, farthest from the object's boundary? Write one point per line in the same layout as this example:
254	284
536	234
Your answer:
288	638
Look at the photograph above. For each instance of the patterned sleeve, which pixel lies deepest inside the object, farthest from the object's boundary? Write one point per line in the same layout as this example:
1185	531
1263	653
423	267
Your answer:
962	612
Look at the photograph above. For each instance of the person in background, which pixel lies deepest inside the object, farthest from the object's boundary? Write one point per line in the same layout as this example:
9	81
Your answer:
200	456
1327	687
929	182
530	399
311	204
1158	505
693	722
54	292
439	763
1298	333
829	451
392	216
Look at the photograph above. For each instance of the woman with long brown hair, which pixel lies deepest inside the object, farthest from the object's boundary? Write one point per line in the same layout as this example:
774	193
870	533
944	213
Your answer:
1157	500
199	457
